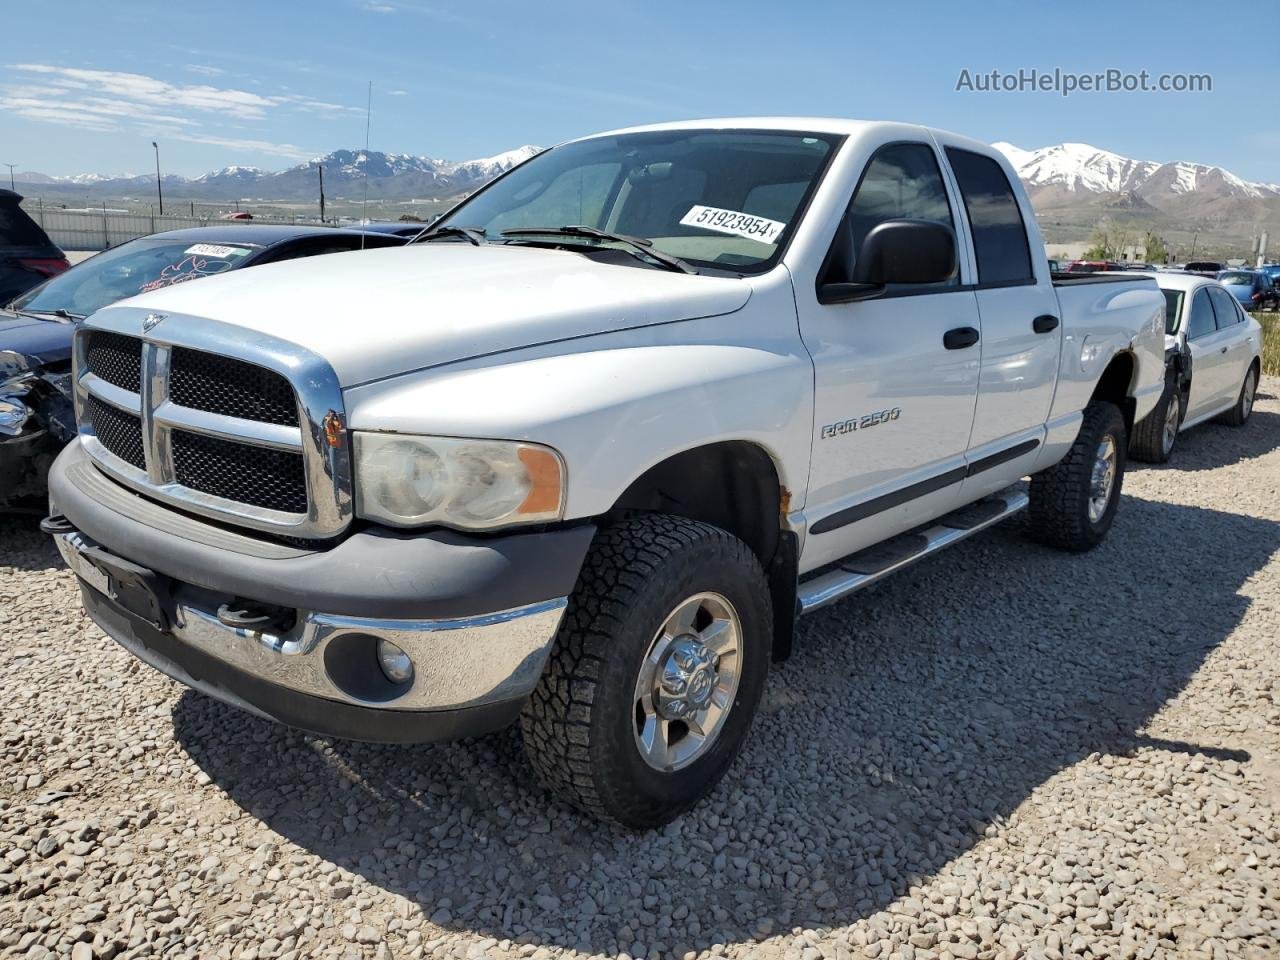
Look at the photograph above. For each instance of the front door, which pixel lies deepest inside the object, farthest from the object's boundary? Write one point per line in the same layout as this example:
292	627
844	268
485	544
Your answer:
893	405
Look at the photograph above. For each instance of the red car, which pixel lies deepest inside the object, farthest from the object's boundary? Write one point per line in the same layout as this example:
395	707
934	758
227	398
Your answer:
1094	266
27	255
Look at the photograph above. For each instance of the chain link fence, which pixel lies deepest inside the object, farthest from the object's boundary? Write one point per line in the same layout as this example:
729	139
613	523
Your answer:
91	229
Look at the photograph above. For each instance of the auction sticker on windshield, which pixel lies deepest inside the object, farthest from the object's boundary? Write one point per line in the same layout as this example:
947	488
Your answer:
731	221
216	250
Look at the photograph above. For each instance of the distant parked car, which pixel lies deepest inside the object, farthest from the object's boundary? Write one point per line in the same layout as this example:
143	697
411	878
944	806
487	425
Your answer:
36	329
1212	364
1093	266
1205	268
1252	288
27	255
238	215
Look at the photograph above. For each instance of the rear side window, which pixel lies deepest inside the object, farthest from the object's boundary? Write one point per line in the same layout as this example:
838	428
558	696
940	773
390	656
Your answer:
999	235
1201	321
1224	305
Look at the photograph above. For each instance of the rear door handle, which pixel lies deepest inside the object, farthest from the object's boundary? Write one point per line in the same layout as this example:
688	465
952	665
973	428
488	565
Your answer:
1045	324
959	338
1223	350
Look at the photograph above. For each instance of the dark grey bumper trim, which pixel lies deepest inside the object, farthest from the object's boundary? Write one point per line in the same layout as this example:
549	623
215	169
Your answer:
372	573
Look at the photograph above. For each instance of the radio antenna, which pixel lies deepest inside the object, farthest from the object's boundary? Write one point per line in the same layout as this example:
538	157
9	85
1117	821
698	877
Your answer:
364	202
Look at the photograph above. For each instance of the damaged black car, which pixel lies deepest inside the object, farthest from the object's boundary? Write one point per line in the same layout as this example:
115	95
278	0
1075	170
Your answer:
36	411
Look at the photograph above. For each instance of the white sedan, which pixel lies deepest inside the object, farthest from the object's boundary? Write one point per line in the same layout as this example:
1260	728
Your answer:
1213	353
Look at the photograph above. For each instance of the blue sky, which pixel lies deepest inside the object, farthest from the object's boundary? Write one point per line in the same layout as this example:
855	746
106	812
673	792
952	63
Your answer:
271	83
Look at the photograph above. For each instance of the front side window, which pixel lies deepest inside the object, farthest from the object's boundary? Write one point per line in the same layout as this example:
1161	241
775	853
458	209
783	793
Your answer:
1201	321
999	235
727	199
902	181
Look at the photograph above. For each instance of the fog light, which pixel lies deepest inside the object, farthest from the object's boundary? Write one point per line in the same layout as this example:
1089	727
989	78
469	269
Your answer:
395	662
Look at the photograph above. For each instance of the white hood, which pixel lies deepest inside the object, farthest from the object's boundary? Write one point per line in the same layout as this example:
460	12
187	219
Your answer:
378	313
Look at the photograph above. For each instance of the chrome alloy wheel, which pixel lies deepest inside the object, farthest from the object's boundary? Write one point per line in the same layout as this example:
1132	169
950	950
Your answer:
1102	479
1171	423
688	682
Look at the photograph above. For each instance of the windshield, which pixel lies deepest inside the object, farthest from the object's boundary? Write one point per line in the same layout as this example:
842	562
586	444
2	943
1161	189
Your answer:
1172	309
715	198
1237	279
135	267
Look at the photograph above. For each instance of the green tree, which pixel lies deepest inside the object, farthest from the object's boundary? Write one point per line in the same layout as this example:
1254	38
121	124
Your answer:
1157	251
1100	244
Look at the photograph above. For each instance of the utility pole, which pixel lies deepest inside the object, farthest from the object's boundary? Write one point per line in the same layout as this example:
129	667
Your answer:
1262	249
159	191
11	166
320	167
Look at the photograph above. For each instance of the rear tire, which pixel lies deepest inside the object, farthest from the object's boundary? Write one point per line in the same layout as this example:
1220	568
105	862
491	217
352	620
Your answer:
665	609
1154	438
1073	503
1238	415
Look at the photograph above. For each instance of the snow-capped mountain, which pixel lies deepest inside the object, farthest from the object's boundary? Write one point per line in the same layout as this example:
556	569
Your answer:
1080	167
391	175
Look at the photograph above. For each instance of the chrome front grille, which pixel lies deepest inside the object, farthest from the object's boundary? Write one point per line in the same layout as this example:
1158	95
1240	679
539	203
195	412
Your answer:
115	358
206	416
118	431
205	381
273	479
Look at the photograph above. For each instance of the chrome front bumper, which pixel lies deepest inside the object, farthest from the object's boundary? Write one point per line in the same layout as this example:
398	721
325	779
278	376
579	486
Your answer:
458	663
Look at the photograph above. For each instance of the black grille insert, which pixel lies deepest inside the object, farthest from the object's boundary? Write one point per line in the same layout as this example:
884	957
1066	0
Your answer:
233	388
115	358
118	431
258	476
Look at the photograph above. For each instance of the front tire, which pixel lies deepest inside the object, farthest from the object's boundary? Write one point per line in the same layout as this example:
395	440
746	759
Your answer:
1073	503
656	672
1238	415
1155	436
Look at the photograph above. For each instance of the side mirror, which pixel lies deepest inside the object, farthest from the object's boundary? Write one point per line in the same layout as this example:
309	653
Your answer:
897	251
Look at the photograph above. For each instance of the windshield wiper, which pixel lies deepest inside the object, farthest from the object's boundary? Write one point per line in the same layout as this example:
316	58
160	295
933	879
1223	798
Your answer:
60	313
473	235
639	244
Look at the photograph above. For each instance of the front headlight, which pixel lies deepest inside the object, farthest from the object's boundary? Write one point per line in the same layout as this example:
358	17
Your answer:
407	481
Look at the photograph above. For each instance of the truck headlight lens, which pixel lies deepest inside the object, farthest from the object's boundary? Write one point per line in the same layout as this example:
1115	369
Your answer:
407	481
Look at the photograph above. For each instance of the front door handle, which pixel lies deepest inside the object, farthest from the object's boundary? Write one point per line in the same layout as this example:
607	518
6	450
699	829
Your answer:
1045	324
1223	350
959	338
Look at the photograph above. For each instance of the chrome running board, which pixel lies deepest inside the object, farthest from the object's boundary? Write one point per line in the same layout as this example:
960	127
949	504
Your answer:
864	568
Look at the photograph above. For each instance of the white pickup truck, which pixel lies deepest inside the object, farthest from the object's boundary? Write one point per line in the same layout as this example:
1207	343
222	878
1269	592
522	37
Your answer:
581	455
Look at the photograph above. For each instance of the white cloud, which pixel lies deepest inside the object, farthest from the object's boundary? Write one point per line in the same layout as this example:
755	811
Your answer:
234	143
108	101
377	6
205	71
397	93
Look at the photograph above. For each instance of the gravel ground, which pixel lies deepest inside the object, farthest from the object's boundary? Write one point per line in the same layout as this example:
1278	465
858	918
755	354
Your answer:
1003	752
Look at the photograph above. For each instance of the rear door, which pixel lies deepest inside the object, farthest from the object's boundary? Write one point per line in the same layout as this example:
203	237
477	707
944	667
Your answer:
893	405
1209	347
1236	347
1021	331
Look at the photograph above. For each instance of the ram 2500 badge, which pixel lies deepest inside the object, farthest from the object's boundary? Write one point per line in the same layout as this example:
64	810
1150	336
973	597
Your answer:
582	455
